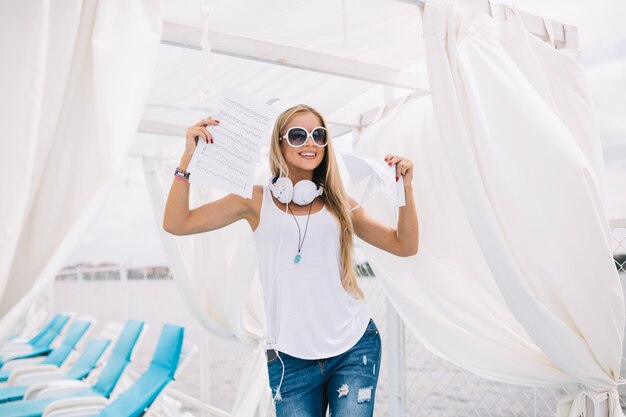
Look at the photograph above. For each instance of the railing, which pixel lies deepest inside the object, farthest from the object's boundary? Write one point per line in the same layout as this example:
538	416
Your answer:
419	383
114	273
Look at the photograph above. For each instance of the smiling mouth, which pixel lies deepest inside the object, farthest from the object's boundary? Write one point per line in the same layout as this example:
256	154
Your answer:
308	155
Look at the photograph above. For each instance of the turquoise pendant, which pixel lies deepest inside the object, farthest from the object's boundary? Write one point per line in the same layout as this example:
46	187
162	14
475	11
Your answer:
297	259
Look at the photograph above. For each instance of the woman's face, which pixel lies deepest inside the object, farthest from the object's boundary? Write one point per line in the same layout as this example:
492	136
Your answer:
309	156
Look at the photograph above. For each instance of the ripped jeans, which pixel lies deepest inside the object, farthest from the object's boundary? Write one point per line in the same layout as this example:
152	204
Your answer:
346	383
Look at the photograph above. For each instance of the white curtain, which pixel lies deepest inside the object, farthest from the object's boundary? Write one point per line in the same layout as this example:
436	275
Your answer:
515	279
216	273
75	76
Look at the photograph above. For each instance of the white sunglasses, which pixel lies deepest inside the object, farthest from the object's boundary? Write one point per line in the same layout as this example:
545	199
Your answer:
297	136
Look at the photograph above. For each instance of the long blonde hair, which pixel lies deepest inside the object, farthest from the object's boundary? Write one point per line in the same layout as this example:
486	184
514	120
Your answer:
334	196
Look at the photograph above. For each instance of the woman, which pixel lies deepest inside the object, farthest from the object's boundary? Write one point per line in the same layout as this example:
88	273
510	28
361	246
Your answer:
323	348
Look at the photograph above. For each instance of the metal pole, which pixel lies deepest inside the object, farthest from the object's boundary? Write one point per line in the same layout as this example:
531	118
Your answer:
397	361
205	369
395	331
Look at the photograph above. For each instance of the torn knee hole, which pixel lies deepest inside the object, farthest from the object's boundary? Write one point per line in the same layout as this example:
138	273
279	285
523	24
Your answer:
343	390
364	395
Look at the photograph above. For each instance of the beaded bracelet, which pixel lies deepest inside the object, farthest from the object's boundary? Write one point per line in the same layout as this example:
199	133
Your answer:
181	175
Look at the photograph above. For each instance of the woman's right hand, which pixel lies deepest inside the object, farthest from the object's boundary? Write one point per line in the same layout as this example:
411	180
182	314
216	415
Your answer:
197	132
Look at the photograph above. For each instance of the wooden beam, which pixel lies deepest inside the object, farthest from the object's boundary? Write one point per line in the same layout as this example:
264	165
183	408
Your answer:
171	129
186	36
248	48
161	128
374	115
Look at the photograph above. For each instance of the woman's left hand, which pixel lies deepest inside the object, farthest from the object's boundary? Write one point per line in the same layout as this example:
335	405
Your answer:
404	167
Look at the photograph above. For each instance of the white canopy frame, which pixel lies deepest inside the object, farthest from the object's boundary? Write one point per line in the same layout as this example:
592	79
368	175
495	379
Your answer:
559	35
176	34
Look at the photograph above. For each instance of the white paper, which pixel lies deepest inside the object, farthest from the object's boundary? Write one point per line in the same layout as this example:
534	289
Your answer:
357	167
385	181
382	177
229	162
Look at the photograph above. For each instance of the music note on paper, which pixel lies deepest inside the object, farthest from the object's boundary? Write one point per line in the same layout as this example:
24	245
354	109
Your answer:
229	162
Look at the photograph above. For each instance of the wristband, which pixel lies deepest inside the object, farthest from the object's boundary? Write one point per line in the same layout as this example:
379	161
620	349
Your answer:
181	175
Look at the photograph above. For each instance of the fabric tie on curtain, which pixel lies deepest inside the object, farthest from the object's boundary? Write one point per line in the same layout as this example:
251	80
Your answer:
590	403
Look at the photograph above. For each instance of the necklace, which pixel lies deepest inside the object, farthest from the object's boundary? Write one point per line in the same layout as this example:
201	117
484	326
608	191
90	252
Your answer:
300	242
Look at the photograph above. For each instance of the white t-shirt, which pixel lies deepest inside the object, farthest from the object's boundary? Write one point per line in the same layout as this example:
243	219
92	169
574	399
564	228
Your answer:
309	313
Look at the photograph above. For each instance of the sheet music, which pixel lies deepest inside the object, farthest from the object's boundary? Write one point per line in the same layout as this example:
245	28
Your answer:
229	162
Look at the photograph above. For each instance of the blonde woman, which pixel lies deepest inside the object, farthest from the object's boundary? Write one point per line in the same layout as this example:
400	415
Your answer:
323	347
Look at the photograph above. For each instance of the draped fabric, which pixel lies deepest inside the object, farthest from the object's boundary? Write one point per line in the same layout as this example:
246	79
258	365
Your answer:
514	279
216	274
75	78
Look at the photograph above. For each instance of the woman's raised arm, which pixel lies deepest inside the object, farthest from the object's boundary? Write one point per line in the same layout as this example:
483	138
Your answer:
178	218
404	240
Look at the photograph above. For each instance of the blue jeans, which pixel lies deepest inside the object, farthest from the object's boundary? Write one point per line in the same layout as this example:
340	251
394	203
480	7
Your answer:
346	382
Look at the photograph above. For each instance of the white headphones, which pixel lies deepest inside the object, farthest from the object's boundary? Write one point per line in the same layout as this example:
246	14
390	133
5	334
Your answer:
303	193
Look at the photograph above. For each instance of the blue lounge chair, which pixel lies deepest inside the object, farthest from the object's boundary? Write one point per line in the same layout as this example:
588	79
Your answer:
37	374
39	345
111	373
142	393
16	341
56	357
85	363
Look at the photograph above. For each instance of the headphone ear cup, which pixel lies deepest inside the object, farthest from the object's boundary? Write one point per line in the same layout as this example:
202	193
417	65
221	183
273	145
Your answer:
305	191
282	189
